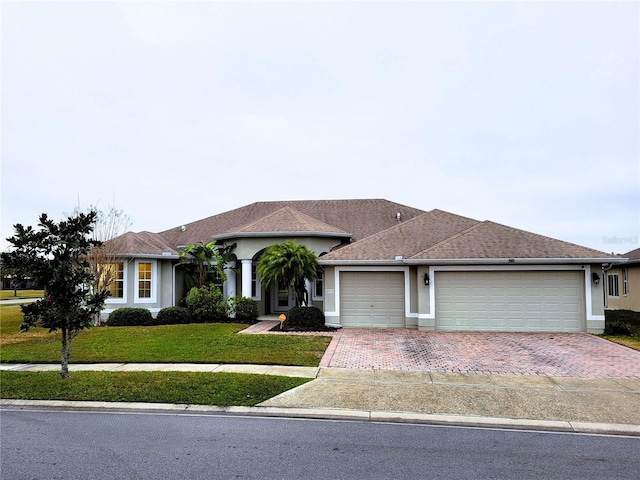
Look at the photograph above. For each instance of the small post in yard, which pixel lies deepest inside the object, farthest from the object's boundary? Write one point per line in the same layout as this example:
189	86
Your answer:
282	318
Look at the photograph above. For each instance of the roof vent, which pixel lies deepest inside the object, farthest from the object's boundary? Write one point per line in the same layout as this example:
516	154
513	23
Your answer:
398	216
183	228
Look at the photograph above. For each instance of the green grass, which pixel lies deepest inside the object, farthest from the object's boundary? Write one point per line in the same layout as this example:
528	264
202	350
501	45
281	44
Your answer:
631	342
221	389
194	343
9	294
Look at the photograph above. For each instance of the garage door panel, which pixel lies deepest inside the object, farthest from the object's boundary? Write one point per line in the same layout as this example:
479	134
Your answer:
372	299
510	301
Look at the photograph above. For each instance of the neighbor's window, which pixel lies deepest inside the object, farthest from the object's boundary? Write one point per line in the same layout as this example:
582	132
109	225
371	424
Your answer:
145	273
318	288
625	283
613	288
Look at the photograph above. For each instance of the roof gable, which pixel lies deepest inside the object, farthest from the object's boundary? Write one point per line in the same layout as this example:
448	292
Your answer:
405	238
492	240
287	220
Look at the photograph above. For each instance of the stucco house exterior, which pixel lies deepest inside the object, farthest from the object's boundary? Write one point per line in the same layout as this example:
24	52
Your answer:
385	265
622	283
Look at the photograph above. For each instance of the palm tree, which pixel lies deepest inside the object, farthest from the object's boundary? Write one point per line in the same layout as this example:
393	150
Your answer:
289	263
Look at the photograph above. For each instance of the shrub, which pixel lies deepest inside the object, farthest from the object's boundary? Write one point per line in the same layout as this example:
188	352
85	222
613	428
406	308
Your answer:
130	317
173	315
245	308
622	322
618	328
311	317
206	304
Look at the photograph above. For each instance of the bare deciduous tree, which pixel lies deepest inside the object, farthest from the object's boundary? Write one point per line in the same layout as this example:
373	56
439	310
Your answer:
110	224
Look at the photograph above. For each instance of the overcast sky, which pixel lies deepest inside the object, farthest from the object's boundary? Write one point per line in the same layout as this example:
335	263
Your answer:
523	113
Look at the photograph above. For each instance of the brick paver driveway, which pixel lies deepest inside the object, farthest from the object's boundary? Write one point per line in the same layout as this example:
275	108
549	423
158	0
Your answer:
551	354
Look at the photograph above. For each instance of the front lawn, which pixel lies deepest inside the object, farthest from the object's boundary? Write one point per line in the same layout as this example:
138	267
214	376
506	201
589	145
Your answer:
194	343
221	389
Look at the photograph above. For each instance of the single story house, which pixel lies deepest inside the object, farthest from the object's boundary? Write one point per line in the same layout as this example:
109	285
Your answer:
384	265
622	283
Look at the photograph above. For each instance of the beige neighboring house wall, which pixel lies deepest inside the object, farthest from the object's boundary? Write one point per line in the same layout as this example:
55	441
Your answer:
622	283
629	300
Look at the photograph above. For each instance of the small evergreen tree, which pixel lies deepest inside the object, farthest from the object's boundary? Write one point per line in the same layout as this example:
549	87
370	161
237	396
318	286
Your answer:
55	256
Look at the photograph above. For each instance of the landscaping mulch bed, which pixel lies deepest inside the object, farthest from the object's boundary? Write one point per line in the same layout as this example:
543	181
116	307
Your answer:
302	329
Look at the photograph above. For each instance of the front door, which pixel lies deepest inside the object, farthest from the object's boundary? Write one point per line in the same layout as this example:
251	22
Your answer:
284	298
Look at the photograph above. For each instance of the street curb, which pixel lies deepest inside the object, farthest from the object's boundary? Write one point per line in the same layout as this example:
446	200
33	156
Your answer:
345	414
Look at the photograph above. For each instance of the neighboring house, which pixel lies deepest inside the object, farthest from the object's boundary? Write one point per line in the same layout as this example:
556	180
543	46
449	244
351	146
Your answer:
385	265
622	283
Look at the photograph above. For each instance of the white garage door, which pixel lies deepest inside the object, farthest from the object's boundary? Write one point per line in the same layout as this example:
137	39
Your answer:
372	299
536	301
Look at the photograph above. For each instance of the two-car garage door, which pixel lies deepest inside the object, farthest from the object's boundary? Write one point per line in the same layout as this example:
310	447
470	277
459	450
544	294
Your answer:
525	301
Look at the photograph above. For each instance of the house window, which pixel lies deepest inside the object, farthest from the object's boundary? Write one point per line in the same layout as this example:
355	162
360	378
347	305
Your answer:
145	284
114	273
613	288
254	280
115	276
625	283
318	287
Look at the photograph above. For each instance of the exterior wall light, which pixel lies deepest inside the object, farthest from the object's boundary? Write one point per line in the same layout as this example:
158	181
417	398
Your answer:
426	279
596	278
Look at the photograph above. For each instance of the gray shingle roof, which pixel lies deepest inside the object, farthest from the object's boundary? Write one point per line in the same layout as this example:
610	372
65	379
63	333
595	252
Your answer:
144	243
286	220
492	240
376	232
361	218
405	238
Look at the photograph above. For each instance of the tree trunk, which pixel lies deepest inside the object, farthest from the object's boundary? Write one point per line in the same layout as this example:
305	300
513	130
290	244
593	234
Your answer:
65	351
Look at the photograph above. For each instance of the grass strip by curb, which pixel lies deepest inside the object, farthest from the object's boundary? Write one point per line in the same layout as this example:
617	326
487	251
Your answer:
222	389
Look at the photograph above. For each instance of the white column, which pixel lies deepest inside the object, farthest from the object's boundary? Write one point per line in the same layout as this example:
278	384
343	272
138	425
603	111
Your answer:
246	278
229	287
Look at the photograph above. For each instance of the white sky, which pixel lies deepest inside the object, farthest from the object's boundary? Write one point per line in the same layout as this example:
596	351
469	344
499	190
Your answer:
523	113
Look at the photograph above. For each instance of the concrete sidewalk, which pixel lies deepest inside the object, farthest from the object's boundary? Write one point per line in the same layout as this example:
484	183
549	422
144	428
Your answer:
603	405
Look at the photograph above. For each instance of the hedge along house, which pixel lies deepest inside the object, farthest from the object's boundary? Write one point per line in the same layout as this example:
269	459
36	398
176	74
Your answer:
385	265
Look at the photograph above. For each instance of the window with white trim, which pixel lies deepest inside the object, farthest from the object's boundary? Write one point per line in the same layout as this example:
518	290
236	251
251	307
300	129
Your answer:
612	285
115	275
625	283
145	281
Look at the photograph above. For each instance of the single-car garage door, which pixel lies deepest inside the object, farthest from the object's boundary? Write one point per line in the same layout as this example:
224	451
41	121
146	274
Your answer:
533	301
372	299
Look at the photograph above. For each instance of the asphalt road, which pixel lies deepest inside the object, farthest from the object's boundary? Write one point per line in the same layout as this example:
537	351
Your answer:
58	444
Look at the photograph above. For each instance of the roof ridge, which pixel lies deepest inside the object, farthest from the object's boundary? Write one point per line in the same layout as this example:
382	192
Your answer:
381	232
